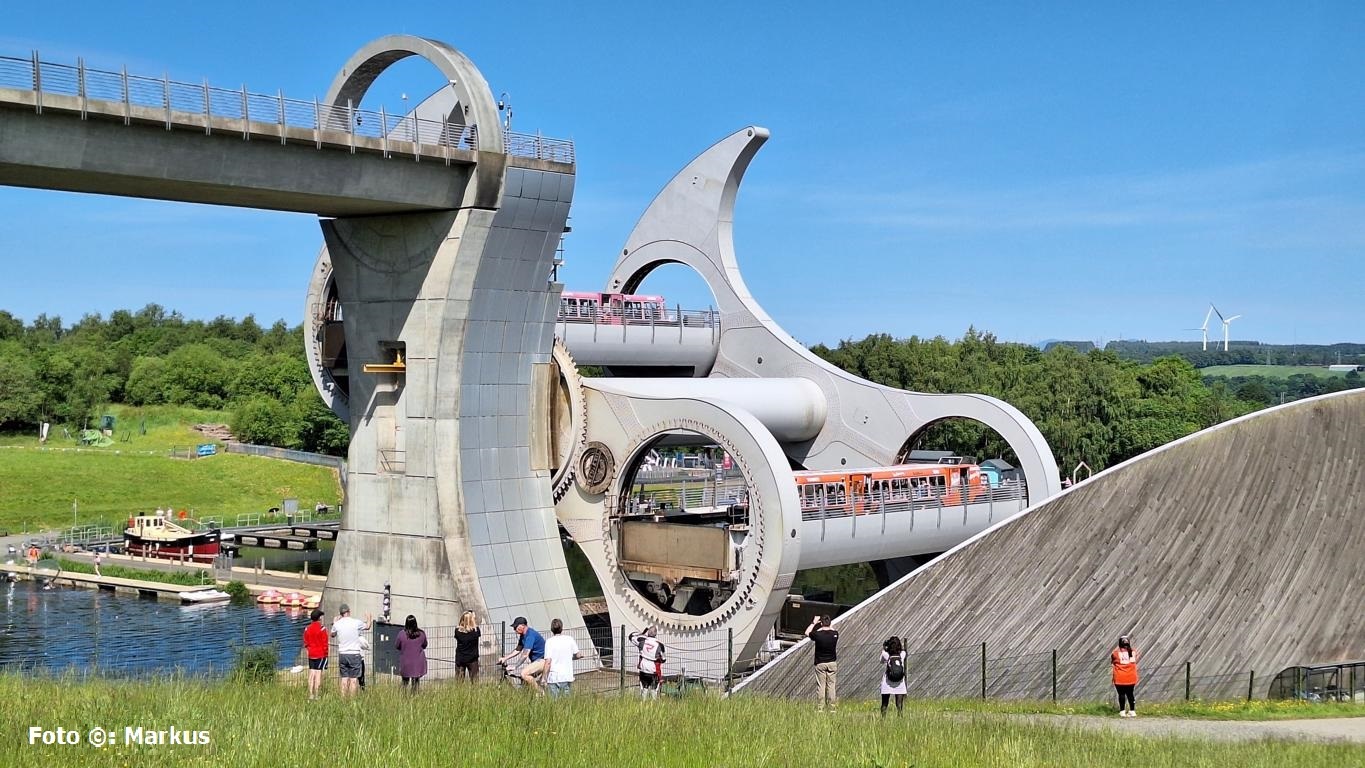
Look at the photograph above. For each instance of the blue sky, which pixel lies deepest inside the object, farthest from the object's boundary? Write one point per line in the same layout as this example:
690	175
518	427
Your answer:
1038	170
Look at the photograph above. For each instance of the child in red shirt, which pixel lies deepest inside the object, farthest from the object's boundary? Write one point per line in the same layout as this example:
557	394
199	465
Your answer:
315	640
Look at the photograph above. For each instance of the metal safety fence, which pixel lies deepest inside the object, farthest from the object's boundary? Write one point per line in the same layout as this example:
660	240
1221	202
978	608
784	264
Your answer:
197	105
973	671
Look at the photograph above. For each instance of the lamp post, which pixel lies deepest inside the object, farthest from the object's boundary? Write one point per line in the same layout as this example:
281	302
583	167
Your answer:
505	105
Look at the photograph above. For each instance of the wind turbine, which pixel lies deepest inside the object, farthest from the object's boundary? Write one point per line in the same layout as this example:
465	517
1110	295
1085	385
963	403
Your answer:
1226	322
1205	327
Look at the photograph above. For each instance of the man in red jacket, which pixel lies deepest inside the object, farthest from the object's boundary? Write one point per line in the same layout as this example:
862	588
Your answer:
315	639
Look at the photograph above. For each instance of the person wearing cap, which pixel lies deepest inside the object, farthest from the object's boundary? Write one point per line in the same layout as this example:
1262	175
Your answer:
1124	660
350	648
315	642
531	648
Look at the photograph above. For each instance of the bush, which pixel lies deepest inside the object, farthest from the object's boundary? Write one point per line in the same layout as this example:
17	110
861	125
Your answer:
255	664
240	594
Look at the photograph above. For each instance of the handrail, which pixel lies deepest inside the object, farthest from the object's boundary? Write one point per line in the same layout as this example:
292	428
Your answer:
875	504
122	92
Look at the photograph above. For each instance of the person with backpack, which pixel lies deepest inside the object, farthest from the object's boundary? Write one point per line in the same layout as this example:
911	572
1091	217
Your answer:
826	640
893	674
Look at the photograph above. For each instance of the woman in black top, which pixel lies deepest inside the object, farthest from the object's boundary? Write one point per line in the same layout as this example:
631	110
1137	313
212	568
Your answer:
467	647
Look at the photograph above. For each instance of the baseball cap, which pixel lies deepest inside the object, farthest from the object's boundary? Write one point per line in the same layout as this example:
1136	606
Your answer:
316	614
344	608
518	621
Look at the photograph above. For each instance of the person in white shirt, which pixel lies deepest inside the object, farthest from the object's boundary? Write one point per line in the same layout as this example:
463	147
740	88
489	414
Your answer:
560	652
350	648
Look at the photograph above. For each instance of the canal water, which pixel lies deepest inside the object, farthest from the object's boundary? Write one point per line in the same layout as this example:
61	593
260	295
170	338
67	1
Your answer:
87	630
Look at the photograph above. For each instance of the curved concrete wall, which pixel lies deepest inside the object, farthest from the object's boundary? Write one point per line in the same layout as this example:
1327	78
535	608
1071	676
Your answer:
1237	548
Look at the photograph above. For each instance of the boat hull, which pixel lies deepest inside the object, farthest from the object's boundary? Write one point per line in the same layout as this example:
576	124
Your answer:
199	547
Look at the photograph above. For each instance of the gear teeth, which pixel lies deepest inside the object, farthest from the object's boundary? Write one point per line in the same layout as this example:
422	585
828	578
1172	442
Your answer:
578	420
648	612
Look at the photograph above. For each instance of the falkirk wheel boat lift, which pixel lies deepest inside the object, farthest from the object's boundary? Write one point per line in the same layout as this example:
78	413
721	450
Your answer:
445	343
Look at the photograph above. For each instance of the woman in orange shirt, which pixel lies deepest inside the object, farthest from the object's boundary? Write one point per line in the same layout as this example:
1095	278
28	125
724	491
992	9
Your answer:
1124	659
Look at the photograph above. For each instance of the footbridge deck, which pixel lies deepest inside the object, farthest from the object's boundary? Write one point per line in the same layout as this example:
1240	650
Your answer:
73	128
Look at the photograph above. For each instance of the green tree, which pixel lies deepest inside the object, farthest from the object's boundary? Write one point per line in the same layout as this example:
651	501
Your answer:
265	421
196	375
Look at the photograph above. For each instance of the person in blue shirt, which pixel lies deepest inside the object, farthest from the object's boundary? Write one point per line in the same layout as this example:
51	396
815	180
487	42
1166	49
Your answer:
530	648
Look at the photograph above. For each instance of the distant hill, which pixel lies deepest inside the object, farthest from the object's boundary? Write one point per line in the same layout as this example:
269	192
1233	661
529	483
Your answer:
1079	346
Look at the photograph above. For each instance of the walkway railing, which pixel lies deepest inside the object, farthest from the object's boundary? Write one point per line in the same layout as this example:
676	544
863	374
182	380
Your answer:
605	323
878	504
199	105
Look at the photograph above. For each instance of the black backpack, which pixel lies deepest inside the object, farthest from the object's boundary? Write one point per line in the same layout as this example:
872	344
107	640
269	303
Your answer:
895	669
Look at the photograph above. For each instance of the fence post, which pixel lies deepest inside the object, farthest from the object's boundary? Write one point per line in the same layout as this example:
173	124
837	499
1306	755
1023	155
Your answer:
1251	684
37	84
502	638
983	670
621	662
350	122
1054	675
80	85
729	658
1187	681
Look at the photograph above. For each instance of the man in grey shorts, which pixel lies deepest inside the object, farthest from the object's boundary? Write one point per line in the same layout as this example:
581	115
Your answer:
350	648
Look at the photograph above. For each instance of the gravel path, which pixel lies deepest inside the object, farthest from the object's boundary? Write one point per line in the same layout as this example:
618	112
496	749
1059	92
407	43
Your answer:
1350	729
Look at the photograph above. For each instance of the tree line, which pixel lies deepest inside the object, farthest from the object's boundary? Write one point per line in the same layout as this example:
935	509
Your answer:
1240	353
66	374
1094	407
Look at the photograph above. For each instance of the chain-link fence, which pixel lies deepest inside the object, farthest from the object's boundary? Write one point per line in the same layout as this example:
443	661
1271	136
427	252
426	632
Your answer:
974	671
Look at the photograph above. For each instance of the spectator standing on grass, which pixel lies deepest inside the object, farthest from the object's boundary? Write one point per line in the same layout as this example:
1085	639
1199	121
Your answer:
651	664
893	674
350	648
825	639
412	654
98	560
1124	660
467	647
315	643
560	652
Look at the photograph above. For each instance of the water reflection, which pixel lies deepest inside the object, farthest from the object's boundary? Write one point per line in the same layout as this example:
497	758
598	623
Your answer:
84	629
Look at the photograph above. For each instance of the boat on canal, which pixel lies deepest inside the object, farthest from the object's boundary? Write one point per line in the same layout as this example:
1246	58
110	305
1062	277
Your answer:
183	539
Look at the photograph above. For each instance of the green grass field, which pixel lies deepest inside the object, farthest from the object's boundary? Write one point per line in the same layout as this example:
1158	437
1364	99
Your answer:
1260	709
1268	371
167	426
38	484
444	725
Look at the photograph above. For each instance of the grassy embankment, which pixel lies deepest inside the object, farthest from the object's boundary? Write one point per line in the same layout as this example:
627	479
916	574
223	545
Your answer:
273	725
184	578
37	485
1268	371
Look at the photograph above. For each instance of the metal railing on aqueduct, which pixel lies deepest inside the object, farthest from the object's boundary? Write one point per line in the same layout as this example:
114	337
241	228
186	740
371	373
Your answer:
208	108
